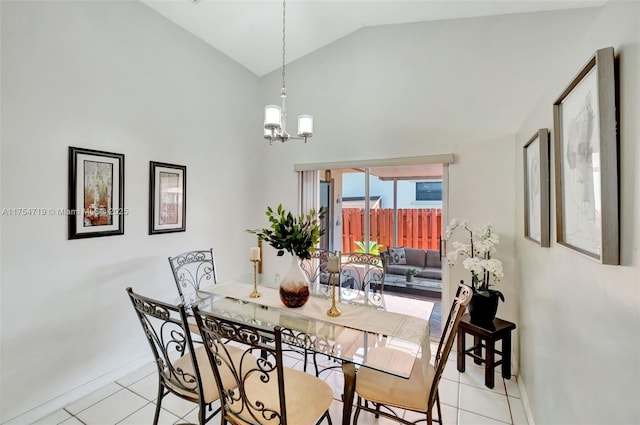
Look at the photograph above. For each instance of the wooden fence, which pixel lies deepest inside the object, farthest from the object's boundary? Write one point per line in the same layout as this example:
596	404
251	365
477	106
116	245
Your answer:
417	228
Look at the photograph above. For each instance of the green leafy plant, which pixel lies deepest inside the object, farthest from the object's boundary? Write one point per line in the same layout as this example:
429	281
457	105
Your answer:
295	234
411	272
374	247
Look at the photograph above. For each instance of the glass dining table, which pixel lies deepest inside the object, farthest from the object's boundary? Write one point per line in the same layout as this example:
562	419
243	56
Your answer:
355	338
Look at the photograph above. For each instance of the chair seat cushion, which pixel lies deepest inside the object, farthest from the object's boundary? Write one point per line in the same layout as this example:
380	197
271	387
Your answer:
206	374
307	397
380	387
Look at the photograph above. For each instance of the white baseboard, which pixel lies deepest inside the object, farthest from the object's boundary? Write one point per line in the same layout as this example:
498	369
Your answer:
59	402
525	401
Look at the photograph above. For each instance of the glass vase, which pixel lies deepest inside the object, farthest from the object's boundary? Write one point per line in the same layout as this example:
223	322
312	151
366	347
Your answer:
294	287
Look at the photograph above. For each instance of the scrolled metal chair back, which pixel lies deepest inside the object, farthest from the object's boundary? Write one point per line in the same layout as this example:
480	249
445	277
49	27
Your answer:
364	272
249	398
316	267
449	330
193	269
169	339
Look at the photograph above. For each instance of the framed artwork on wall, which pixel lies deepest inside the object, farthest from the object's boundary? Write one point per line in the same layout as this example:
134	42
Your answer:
536	188
167	198
586	161
96	193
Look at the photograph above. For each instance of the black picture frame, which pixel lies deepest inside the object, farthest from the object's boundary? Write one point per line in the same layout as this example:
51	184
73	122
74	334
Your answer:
96	193
167	198
536	188
586	161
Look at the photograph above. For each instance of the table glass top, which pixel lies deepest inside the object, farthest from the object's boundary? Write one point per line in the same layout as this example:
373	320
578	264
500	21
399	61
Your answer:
359	335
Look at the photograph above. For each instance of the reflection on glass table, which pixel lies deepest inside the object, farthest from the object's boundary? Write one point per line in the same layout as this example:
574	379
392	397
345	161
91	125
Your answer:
351	338
348	290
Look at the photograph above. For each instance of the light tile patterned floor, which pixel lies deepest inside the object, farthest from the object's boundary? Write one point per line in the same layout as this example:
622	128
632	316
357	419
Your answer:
130	400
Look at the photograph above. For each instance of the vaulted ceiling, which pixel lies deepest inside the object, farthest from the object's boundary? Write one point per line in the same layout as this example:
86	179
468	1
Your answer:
250	32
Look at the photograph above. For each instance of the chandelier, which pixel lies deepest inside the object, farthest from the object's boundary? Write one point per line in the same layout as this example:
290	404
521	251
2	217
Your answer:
275	117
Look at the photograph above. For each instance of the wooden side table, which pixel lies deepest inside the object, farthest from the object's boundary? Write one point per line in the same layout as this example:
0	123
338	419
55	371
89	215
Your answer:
485	336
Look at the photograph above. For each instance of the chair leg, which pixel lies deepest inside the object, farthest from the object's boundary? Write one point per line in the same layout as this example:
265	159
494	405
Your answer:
437	408
306	359
357	412
202	413
327	416
158	403
377	410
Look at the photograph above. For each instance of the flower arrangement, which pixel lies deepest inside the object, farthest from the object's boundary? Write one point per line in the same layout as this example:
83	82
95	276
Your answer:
295	234
477	256
411	272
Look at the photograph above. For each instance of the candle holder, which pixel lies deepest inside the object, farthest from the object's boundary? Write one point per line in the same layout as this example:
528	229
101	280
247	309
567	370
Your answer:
255	293
333	311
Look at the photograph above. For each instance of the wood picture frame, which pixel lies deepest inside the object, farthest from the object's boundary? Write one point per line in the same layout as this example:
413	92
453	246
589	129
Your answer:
536	188
167	197
96	193
586	161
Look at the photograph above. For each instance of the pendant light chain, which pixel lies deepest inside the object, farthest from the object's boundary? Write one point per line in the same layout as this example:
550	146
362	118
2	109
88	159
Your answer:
283	43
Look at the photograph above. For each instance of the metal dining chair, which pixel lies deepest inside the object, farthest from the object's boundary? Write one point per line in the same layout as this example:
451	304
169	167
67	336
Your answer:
315	267
264	390
363	273
182	370
192	269
379	392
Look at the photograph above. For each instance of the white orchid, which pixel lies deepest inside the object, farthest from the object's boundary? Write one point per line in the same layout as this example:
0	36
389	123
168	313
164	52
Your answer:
477	254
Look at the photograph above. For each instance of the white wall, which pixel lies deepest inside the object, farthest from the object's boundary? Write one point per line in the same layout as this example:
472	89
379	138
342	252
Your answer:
112	76
424	89
580	320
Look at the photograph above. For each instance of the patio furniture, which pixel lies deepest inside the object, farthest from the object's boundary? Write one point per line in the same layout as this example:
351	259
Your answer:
425	261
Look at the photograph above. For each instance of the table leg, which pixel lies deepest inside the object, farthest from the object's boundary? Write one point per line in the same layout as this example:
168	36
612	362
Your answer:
460	354
506	356
349	372
489	366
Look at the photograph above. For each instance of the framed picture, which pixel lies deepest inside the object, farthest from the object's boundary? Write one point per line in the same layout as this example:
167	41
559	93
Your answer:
536	188
167	198
96	193
586	161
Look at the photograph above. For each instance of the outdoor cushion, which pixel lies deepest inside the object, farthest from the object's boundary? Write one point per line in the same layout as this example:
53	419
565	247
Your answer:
433	258
397	256
416	257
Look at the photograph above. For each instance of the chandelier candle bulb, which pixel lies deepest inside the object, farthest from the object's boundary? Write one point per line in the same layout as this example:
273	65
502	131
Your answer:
272	116
255	253
333	266
305	125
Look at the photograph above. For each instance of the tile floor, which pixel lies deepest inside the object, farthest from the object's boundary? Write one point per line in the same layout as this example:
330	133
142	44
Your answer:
130	400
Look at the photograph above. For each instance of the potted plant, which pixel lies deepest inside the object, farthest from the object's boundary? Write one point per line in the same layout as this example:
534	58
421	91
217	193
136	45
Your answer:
297	235
410	273
374	247
485	270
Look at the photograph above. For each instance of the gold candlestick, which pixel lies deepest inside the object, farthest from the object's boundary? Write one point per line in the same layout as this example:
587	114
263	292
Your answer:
255	293
333	311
